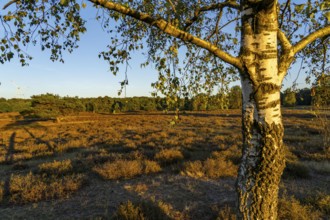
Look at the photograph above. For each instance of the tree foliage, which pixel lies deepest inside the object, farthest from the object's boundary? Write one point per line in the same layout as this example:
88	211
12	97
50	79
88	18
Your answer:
321	91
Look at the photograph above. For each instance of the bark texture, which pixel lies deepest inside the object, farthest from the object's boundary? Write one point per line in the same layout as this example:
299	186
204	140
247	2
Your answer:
263	157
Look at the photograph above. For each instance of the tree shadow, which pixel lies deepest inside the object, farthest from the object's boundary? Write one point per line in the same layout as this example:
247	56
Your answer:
11	149
9	158
40	141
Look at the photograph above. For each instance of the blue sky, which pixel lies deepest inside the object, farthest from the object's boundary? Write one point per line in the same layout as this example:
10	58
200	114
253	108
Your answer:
83	74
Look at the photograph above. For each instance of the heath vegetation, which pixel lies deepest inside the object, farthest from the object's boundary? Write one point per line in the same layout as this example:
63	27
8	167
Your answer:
143	166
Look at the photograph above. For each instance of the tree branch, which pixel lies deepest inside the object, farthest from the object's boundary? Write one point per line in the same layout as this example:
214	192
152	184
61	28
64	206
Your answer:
284	41
172	5
9	3
169	29
218	6
323	32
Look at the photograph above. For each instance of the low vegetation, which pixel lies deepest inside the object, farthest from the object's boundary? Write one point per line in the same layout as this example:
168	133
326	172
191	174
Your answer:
125	169
142	166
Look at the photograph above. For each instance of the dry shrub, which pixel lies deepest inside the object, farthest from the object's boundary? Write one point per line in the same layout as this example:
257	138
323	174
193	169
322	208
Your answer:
321	201
151	166
34	188
146	210
211	168
139	188
226	213
169	155
126	169
129	211
56	167
290	208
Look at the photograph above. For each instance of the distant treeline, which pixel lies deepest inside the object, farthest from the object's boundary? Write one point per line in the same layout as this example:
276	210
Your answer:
49	105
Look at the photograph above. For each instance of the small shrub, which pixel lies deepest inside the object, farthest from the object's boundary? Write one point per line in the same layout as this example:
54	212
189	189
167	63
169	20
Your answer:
290	208
142	211
211	168
129	211
124	169
321	201
226	213
34	188
323	204
169	155
56	167
151	166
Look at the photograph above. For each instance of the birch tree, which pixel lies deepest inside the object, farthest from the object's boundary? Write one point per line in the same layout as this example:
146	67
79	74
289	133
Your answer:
192	44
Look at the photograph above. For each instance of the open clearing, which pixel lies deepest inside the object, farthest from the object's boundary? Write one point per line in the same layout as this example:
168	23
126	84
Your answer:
86	166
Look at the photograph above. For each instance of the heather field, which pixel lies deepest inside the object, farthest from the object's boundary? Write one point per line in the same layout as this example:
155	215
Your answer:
151	166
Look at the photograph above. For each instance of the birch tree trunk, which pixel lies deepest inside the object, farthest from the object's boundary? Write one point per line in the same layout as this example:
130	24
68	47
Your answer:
263	157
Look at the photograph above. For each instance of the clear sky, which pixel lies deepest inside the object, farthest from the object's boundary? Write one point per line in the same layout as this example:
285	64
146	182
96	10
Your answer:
83	74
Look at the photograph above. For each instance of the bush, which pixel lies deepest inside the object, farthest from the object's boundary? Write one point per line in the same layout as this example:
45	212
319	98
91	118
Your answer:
290	208
124	169
211	168
129	211
56	167
226	213
169	155
34	188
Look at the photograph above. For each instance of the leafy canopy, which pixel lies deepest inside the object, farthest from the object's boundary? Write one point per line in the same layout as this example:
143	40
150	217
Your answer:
187	59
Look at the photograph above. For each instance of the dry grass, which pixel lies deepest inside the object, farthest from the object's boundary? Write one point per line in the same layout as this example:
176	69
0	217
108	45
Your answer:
226	213
34	188
210	168
291	208
56	167
47	161
169	156
125	169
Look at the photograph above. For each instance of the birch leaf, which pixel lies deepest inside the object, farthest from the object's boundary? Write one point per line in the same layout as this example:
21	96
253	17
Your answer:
327	15
64	2
299	8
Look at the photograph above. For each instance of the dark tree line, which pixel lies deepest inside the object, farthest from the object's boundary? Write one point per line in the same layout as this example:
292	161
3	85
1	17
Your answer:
50	105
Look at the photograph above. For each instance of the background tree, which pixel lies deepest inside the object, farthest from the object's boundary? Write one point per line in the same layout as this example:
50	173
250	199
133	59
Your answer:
304	97
289	99
235	97
273	35
321	91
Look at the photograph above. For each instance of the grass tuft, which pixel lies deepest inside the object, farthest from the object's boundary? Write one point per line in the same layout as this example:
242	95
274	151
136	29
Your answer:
125	169
212	168
56	167
291	208
34	188
169	156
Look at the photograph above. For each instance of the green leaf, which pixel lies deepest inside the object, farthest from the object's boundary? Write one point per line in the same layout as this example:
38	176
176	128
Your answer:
327	15
64	2
324	6
299	8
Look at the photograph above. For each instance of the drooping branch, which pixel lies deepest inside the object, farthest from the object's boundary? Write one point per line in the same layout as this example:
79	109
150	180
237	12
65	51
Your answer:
9	3
323	32
217	6
169	29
